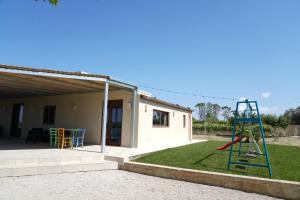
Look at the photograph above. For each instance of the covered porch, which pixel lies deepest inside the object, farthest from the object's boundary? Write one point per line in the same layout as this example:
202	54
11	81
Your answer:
38	98
34	100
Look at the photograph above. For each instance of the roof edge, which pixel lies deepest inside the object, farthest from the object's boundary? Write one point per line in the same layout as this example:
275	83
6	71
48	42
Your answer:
44	70
159	101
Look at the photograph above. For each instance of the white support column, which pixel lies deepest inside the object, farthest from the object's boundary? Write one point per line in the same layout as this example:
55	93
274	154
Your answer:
133	117
104	117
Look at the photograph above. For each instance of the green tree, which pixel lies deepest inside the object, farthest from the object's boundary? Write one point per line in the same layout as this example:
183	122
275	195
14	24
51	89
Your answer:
271	120
208	111
293	116
201	111
212	111
226	112
53	2
283	121
274	121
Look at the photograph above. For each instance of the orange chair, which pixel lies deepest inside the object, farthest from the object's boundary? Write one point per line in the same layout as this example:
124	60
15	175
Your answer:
63	141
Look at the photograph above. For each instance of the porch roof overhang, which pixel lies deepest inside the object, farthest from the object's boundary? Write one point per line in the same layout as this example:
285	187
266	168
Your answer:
19	82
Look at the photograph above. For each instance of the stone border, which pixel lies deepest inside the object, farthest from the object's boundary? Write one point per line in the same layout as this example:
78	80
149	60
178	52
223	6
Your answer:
270	187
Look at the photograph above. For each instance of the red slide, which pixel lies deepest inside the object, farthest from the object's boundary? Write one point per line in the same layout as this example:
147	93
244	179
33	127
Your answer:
225	146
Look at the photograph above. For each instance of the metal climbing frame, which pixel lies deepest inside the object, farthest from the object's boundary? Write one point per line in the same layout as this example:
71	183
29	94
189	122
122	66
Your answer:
249	116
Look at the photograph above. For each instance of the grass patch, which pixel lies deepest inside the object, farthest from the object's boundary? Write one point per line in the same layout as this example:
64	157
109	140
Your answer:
285	160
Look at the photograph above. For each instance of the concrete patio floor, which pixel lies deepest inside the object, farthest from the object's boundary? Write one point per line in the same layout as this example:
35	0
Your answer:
125	153
17	149
13	148
18	158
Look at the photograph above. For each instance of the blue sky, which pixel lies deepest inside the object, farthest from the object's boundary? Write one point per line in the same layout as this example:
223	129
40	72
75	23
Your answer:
213	47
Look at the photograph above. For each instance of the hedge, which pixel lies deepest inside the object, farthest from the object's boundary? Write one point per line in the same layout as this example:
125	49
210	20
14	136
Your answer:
227	127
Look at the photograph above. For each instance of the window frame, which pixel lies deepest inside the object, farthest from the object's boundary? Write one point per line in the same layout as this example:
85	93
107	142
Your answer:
47	120
167	119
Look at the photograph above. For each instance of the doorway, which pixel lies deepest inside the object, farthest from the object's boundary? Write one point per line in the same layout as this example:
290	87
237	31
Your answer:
17	120
114	122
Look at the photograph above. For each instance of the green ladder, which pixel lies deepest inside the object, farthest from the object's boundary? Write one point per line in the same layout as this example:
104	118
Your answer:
250	116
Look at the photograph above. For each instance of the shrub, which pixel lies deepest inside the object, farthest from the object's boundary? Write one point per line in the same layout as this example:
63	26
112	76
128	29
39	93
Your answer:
212	127
270	120
283	121
269	131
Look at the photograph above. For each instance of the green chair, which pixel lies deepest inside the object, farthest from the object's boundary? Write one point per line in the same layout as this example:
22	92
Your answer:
53	137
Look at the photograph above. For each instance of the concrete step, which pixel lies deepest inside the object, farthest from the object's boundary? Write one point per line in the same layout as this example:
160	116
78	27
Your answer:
39	169
51	160
118	159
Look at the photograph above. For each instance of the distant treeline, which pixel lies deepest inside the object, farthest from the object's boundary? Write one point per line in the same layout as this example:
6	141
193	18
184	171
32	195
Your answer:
210	113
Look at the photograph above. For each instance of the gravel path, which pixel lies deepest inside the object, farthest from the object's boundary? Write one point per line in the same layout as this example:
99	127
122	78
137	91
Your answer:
291	141
111	184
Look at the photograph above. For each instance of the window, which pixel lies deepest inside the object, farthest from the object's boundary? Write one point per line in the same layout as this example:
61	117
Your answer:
160	118
184	121
49	115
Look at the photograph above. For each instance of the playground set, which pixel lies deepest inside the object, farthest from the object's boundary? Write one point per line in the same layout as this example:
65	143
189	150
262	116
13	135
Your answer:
243	134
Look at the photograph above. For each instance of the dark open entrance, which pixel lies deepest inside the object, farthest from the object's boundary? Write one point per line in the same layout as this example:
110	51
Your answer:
114	122
17	120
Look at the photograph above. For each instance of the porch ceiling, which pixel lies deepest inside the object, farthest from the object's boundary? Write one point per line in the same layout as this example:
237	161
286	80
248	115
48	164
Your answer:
18	82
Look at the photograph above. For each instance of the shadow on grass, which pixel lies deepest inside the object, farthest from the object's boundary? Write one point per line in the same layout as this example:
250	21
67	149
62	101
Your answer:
235	151
238	170
235	169
240	167
202	159
243	160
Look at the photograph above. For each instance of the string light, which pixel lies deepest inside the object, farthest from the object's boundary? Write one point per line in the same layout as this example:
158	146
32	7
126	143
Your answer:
189	94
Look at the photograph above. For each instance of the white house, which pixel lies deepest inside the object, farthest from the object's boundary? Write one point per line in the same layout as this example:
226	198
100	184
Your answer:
33	98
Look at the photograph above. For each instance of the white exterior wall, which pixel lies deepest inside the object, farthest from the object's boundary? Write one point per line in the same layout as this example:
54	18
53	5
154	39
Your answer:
88	114
175	133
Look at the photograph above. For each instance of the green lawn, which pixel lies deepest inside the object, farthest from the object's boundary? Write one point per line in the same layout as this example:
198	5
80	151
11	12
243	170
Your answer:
285	160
